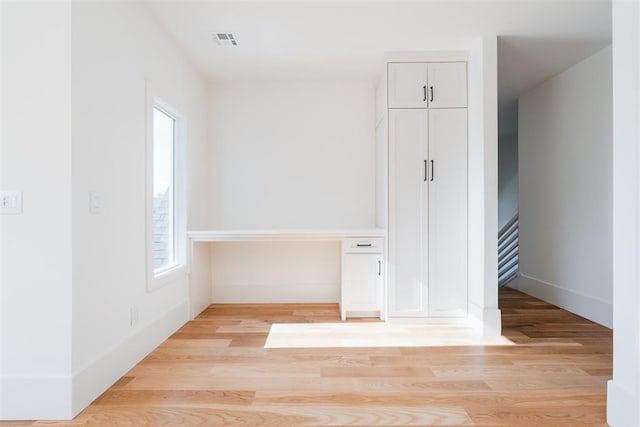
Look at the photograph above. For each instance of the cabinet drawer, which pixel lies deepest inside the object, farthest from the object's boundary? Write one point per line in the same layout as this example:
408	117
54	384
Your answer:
373	245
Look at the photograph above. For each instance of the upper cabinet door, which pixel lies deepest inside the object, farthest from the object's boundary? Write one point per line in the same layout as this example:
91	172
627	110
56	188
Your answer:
407	85
447	86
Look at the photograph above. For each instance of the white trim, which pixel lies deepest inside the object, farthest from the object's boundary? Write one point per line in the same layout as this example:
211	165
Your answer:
592	308
26	397
94	378
157	280
487	321
514	282
622	407
427	56
293	293
170	275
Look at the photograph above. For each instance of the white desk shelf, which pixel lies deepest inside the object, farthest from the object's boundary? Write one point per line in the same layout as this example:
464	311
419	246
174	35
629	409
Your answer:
261	235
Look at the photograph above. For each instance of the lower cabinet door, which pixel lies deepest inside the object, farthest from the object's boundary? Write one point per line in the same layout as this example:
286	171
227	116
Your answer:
448	213
408	213
362	282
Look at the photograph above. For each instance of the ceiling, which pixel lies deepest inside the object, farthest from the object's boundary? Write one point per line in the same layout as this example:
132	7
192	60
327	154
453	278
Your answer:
330	40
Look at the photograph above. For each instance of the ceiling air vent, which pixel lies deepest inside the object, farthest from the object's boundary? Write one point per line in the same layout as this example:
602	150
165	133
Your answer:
225	39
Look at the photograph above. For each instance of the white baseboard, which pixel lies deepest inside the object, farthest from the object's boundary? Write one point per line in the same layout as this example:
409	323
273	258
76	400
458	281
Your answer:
91	381
488	321
594	309
63	397
622	407
317	293
35	398
513	283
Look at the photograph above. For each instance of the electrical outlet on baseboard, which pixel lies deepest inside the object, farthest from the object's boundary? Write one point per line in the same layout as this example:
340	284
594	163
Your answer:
133	316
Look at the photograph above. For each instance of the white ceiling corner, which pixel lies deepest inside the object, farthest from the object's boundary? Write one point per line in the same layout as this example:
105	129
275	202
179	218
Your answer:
300	39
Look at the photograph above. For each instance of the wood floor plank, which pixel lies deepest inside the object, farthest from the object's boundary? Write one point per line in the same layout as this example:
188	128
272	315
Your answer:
376	372
471	399
551	370
539	416
174	397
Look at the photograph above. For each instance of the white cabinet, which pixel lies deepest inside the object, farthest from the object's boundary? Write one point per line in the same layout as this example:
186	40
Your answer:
407	212
447	87
432	85
362	293
407	85
428	195
447	212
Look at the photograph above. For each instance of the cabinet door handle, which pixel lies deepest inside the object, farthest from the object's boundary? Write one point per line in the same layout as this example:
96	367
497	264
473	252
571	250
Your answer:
431	90
424	91
433	170
425	171
379	268
364	245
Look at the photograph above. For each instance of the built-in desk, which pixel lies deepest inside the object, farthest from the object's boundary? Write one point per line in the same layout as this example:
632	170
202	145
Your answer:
282	235
363	261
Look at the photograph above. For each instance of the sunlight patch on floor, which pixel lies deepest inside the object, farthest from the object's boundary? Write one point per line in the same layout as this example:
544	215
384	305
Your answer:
320	335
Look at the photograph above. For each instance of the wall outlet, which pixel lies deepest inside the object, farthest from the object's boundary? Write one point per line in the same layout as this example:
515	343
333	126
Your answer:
134	316
95	203
10	202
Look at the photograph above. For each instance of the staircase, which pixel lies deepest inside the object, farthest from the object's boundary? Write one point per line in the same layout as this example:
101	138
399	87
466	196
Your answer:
508	252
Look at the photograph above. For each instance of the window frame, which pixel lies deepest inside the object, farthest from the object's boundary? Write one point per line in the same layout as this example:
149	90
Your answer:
178	269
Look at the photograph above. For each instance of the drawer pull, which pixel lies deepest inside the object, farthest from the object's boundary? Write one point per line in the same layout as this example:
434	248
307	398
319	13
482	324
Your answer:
364	245
379	268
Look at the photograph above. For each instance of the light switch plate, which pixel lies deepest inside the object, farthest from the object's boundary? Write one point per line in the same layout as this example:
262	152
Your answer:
10	202
95	203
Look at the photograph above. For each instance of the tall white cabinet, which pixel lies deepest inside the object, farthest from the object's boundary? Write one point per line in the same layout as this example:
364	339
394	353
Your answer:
427	117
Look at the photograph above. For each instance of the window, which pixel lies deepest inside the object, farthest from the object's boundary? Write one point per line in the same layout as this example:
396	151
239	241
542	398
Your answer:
164	141
166	225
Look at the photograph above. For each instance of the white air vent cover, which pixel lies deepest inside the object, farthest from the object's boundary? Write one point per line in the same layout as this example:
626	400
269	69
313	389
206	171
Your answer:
225	39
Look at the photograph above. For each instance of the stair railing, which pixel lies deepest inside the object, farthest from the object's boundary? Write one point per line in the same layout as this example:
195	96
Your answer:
508	251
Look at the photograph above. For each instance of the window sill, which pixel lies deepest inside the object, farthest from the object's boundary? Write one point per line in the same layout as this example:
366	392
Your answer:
166	277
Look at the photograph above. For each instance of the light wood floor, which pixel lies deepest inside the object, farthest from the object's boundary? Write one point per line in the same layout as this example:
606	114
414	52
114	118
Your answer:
216	371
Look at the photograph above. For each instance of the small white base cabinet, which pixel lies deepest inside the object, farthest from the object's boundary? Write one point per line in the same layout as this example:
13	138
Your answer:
362	293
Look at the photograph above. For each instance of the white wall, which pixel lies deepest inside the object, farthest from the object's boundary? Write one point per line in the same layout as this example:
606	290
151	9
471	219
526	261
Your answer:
62	138
623	391
292	155
275	272
507	178
288	155
565	134
35	273
483	185
2	373
120	54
